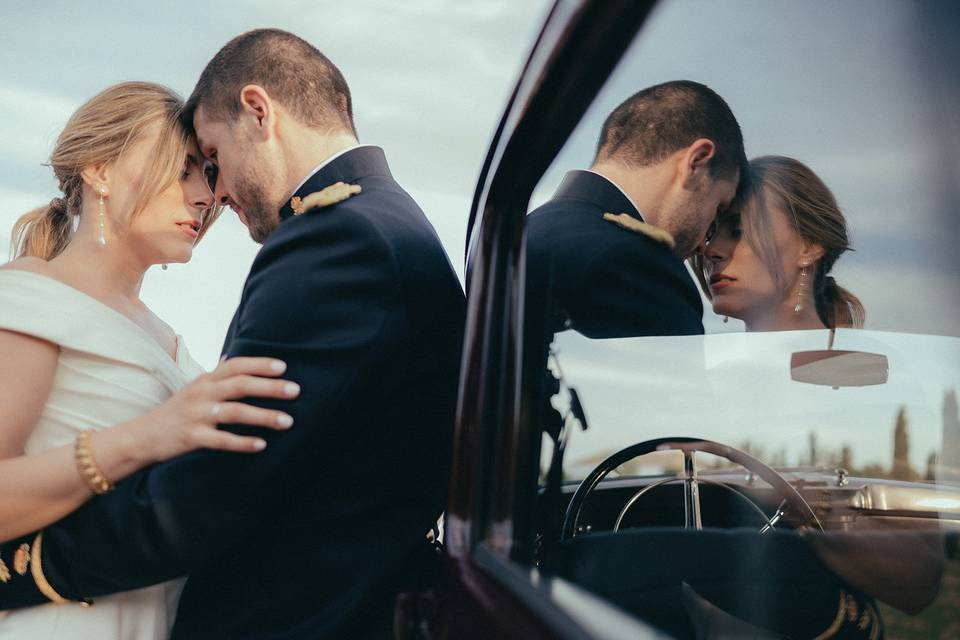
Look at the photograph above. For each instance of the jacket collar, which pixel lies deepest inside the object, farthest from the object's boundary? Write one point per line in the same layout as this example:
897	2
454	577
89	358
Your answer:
358	163
596	189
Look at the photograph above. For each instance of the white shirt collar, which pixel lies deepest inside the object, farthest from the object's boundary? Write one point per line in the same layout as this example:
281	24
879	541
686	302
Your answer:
629	199
325	163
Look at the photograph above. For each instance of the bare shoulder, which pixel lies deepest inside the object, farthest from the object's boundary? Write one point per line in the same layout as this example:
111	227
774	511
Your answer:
29	263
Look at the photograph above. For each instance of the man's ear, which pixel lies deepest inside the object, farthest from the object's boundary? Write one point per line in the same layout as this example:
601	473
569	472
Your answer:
696	158
97	176
258	107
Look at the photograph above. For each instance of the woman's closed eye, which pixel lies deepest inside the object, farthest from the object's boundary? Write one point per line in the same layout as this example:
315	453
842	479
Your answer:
731	224
211	172
189	164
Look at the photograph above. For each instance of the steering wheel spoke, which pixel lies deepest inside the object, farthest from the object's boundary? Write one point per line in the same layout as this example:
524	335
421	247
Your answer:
775	518
792	506
691	492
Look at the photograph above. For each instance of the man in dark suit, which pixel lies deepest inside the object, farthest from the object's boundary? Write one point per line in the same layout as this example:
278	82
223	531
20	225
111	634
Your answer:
605	254
313	537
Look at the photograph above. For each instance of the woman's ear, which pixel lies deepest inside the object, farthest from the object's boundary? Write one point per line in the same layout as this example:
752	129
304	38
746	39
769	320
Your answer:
810	253
258	108
97	177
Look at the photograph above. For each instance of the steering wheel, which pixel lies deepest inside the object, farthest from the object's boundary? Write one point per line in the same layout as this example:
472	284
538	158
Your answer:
793	508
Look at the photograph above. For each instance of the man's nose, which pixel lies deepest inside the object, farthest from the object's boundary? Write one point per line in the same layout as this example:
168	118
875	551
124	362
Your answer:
220	192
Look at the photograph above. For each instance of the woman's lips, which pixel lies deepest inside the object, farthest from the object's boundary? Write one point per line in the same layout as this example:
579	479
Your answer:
188	229
720	282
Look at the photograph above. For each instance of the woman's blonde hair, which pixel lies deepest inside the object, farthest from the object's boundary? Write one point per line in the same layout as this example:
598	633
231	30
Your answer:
814	215
98	133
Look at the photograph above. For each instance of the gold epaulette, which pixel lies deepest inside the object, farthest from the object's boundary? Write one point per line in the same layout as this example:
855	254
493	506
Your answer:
21	563
333	194
630	223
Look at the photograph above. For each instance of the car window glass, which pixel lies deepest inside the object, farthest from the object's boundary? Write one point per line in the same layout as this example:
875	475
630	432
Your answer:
861	423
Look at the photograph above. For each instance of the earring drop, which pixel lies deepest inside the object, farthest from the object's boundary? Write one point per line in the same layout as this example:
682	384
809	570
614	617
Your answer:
800	288
164	267
726	319
102	240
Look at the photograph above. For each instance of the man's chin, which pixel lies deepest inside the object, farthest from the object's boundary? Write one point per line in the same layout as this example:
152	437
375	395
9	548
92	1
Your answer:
237	210
256	234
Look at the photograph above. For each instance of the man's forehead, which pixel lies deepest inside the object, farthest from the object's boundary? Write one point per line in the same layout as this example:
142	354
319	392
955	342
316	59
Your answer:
204	129
201	121
726	188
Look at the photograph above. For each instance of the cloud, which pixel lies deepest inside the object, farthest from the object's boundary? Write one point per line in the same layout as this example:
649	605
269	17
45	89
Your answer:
32	121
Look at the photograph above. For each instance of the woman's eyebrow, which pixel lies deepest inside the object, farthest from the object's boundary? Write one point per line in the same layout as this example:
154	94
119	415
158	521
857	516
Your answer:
729	216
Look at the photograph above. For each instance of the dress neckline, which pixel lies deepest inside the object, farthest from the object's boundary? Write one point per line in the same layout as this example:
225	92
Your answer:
178	339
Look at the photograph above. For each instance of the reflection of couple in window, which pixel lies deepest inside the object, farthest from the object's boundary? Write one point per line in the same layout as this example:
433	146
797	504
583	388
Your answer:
670	181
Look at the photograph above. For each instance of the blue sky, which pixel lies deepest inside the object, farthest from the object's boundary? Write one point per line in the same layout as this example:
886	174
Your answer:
840	86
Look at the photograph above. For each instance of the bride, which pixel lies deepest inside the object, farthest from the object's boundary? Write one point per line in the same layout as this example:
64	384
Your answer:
769	263
93	386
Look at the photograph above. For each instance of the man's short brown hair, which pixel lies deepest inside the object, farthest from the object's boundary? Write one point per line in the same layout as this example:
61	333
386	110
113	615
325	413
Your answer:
653	123
291	70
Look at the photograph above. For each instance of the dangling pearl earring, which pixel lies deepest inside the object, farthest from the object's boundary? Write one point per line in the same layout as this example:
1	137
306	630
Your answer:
102	240
803	285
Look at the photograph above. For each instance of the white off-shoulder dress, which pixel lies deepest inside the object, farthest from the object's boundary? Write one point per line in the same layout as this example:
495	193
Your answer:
109	371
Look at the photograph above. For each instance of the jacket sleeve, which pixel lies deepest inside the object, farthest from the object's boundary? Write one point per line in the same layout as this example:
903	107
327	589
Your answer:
320	296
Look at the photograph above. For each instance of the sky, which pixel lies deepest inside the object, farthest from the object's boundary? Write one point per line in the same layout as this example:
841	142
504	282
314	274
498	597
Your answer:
841	86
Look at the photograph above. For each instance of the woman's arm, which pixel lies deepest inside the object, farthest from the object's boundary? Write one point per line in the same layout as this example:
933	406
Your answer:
37	490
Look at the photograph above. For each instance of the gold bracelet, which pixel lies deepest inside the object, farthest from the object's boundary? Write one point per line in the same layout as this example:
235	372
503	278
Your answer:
87	466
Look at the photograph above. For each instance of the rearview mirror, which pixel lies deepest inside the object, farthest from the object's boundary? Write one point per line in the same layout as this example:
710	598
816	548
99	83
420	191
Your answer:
837	369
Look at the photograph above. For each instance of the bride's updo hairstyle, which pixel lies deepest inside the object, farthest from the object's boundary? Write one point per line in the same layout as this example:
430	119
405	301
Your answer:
98	133
814	215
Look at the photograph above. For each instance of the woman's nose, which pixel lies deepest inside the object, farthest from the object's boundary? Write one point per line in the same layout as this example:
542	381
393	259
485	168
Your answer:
714	251
203	198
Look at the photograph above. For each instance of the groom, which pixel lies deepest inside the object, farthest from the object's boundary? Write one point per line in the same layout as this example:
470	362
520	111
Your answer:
605	254
313	537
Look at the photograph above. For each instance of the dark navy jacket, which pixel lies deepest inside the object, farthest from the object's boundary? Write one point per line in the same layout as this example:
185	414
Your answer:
594	276
313	537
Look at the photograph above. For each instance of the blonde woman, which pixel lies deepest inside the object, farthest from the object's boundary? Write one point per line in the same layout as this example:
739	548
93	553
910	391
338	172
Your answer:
769	263
93	386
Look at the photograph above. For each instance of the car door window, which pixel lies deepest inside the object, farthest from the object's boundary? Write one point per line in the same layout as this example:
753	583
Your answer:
795	481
